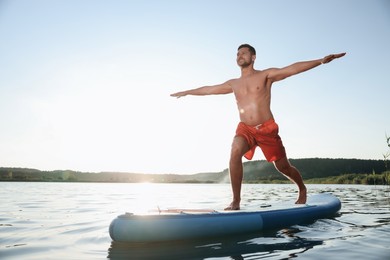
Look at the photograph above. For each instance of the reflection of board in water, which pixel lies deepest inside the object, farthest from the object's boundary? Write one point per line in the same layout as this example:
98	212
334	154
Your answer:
204	248
177	224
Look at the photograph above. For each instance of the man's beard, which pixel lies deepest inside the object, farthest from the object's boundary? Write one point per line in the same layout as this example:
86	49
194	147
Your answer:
245	64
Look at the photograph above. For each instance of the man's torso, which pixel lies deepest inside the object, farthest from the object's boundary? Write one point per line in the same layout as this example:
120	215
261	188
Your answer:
253	96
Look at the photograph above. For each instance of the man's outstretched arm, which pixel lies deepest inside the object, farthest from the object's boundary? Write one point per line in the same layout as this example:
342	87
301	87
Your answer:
296	68
223	88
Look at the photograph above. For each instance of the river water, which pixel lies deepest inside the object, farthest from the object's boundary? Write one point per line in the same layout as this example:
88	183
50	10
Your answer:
71	220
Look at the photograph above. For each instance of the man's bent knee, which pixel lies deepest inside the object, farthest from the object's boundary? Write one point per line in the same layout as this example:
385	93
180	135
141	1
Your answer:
283	166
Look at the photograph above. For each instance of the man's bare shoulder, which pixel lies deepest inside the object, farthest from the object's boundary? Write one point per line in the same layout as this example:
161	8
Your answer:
267	71
232	82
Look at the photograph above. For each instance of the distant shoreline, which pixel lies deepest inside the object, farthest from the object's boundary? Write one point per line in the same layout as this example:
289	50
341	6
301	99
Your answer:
313	170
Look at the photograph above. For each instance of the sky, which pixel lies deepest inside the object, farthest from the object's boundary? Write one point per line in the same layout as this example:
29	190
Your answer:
85	85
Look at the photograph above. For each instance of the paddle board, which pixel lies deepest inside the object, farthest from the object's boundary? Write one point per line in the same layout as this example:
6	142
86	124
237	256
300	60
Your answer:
178	224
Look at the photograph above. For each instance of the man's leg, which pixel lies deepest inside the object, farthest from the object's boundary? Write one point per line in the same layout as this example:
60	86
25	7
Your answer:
284	166
239	148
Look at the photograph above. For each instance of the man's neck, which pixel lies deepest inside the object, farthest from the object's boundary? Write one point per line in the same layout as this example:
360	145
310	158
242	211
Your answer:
247	71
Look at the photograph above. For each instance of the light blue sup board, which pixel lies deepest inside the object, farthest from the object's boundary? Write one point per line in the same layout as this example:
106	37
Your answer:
179	224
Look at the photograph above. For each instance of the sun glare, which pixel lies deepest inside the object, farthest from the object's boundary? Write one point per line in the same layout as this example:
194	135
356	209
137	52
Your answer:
148	194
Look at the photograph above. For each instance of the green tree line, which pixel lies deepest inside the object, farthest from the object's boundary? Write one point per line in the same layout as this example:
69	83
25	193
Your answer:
313	170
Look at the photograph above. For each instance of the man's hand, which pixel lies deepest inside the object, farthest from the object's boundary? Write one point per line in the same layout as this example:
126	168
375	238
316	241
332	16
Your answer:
179	94
331	57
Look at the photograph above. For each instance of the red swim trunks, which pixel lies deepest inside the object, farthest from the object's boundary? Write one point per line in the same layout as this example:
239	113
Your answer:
266	137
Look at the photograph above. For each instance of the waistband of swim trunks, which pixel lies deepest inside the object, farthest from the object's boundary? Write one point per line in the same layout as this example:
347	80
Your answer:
269	121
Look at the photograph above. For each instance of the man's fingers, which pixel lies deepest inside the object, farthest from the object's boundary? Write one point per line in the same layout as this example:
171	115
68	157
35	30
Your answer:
331	57
335	56
340	55
176	95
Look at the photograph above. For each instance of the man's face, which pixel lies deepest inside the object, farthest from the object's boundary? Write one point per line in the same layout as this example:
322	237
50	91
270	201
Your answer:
244	57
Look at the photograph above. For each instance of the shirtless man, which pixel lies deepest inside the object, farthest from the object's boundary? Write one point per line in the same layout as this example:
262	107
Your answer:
257	126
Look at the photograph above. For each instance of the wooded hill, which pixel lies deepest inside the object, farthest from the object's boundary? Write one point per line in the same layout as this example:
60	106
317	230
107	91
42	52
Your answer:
315	170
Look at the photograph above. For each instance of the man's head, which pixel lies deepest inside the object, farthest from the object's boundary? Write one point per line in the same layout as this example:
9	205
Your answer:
250	48
246	55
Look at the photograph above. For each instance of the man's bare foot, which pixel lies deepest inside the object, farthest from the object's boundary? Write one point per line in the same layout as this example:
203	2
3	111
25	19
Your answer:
302	196
233	206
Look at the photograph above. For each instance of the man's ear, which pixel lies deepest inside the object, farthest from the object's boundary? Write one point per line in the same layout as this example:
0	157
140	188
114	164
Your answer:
253	57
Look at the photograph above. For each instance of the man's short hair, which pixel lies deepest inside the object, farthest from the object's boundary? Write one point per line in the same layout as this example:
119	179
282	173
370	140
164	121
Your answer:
251	49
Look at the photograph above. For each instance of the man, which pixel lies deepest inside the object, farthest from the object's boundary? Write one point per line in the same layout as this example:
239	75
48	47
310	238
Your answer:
257	126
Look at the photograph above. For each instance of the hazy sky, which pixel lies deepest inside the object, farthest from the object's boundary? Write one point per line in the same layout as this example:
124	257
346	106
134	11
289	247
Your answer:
84	85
